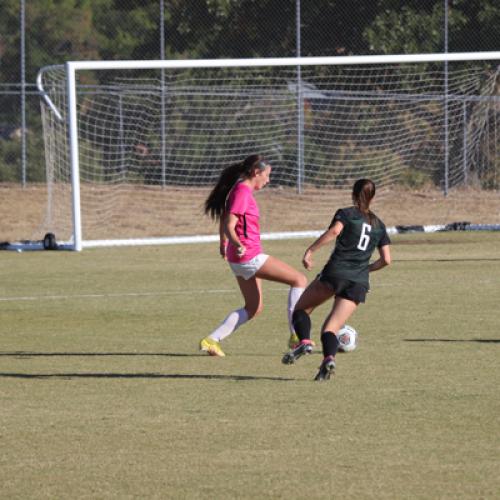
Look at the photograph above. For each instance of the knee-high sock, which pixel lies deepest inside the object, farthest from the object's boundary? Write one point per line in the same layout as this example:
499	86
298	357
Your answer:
330	344
230	324
302	324
293	296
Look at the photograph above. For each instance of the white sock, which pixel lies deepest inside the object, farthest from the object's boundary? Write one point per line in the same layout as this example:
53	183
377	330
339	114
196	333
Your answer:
293	296
230	324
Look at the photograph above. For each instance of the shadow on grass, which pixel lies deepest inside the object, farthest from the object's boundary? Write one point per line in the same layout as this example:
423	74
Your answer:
29	354
63	376
465	259
483	341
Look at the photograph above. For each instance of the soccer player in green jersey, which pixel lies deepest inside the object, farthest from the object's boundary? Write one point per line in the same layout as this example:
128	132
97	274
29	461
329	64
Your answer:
357	231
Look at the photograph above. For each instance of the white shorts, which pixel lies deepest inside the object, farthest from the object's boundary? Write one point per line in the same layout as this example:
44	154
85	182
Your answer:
248	269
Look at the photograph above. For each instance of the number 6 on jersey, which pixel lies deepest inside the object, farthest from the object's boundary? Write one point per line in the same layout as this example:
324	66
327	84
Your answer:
364	240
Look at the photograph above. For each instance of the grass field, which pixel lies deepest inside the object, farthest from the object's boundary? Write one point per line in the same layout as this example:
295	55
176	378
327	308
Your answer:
103	393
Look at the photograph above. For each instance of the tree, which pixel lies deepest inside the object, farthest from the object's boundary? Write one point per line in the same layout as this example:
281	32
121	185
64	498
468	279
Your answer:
127	30
481	27
413	29
56	31
418	26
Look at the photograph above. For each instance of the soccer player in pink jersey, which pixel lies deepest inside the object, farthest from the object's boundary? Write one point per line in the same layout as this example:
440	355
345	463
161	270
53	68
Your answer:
232	203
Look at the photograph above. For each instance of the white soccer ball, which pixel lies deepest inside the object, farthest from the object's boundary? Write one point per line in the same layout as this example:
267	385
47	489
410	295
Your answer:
348	338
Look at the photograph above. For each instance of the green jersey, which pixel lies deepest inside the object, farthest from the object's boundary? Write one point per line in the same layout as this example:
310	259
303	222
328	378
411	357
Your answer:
355	245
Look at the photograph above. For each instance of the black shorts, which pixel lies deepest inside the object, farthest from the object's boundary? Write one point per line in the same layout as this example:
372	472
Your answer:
347	289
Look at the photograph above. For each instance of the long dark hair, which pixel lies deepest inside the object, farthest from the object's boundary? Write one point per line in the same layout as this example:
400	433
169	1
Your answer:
363	192
215	204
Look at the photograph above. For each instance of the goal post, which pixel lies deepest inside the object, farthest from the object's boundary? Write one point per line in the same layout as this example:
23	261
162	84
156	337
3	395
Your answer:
128	143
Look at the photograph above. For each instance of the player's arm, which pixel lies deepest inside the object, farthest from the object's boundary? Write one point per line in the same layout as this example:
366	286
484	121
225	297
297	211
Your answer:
327	237
230	231
383	260
222	236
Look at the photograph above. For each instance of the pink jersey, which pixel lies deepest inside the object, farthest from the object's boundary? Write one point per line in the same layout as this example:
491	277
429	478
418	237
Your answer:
242	203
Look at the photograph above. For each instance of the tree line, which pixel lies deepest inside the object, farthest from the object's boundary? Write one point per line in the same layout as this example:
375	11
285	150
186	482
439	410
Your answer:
60	30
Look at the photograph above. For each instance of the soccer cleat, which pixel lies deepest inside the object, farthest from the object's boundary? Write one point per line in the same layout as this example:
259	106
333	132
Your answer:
300	349
212	347
326	369
293	340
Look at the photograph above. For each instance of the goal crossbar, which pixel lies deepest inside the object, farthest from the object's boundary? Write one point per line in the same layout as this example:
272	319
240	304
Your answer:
284	61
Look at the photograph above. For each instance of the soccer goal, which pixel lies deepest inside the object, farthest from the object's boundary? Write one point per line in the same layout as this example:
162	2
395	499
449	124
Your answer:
133	147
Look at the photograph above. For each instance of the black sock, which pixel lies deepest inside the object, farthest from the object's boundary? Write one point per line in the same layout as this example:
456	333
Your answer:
330	344
302	324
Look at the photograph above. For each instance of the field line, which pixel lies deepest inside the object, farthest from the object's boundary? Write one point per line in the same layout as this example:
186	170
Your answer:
127	294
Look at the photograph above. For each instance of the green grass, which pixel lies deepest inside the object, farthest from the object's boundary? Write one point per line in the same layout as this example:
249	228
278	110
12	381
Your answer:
103	393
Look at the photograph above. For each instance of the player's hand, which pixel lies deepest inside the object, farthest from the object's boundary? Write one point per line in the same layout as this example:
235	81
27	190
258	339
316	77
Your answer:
241	250
222	250
307	261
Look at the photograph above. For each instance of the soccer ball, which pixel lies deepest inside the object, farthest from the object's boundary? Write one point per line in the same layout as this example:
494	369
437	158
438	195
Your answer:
348	338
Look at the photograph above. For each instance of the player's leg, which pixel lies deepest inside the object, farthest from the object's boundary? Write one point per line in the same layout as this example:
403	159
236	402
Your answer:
251	290
341	311
276	270
314	295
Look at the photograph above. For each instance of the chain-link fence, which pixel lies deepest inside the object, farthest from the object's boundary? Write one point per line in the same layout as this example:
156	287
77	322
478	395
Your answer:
36	34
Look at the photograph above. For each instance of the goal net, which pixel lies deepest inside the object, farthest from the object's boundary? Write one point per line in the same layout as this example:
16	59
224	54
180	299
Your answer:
133	147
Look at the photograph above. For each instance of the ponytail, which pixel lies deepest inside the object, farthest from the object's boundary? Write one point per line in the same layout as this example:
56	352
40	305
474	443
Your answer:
363	192
215	204
216	201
